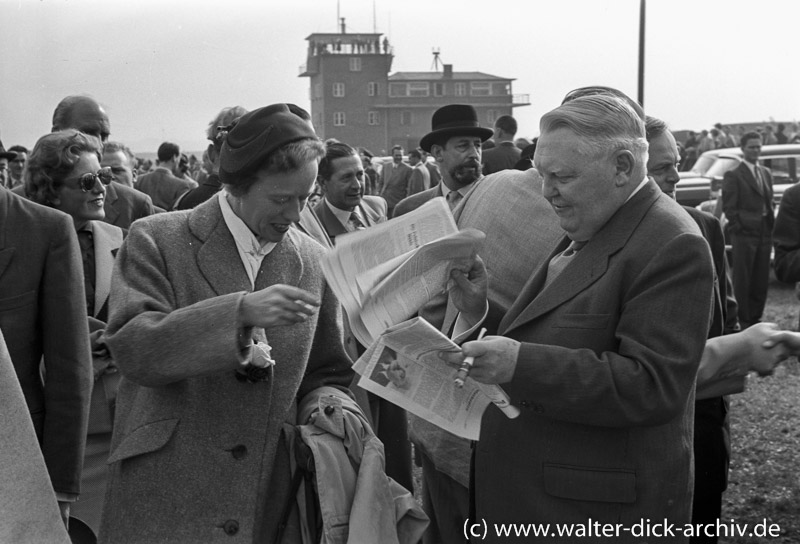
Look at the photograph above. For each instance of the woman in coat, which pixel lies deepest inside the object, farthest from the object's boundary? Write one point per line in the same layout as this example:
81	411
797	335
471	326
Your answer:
64	172
220	321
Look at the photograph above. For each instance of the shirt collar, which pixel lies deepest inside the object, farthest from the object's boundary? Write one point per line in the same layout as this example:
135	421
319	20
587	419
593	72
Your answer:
245	240
343	215
638	188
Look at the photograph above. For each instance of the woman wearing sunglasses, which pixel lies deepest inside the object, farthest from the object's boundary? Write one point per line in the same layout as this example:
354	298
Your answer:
64	173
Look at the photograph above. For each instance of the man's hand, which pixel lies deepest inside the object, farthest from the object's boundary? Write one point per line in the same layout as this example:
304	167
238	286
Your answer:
468	286
276	306
766	352
495	359
64	507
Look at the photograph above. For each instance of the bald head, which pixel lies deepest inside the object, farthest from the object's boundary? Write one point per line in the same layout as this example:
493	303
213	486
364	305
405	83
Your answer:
82	113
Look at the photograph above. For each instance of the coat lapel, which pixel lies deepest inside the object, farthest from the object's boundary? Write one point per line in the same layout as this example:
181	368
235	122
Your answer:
751	179
107	239
588	265
218	259
332	225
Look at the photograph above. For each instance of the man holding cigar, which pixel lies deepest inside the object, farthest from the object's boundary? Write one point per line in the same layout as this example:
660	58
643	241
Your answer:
595	351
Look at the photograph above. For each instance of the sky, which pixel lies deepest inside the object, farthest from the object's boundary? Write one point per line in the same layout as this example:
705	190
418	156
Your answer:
163	69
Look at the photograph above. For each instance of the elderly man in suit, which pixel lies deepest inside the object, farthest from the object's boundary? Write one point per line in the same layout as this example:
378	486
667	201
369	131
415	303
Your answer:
747	203
123	205
455	143
220	321
43	317
394	179
594	349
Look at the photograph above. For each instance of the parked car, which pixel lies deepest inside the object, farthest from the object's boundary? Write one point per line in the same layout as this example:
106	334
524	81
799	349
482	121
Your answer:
782	160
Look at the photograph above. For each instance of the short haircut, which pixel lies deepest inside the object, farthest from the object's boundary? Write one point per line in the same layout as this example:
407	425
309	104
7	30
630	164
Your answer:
400	147
752	135
167	151
62	115
507	124
286	158
224	118
595	90
654	127
113	147
604	123
18	149
415	153
334	149
52	160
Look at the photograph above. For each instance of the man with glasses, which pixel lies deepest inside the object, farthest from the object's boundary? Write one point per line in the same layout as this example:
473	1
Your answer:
123	205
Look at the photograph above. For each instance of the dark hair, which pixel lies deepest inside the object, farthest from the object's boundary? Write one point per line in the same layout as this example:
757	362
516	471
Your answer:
286	158
167	151
415	153
507	124
18	149
400	147
654	127
334	149
752	135
53	158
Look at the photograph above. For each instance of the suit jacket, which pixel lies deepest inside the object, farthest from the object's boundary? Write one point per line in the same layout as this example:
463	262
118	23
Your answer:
208	188
786	236
124	205
188	432
43	314
743	200
604	377
163	187
413	202
371	208
521	230
28	507
394	183
420	179
501	157
433	170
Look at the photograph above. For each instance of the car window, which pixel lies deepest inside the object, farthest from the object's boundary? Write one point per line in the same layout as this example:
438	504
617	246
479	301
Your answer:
722	165
784	169
703	163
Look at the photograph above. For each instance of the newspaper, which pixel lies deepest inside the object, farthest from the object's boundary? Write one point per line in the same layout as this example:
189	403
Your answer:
384	274
403	367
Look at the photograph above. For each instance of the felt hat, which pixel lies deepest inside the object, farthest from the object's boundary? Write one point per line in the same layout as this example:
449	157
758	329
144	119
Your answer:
255	136
454	120
10	155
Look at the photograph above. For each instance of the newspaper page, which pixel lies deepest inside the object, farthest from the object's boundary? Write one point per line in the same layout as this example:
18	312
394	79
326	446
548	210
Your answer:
384	274
403	367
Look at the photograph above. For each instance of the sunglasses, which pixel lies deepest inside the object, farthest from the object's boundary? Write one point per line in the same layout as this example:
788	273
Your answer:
88	180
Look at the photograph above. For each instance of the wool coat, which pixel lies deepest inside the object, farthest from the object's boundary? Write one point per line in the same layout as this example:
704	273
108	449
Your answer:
198	454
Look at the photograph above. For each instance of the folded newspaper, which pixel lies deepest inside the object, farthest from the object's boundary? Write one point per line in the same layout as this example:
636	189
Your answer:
403	367
384	274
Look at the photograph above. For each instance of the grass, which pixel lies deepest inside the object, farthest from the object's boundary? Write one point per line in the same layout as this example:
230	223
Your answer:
764	482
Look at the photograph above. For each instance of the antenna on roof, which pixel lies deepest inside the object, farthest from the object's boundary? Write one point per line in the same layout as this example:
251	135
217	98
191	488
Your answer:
437	62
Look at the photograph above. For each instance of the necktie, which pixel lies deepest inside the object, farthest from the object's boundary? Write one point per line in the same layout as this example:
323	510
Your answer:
355	222
560	261
453	198
763	188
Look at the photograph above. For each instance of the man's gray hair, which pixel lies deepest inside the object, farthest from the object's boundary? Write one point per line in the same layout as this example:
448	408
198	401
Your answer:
604	123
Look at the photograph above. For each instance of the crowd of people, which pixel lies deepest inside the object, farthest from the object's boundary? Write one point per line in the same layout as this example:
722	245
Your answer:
174	366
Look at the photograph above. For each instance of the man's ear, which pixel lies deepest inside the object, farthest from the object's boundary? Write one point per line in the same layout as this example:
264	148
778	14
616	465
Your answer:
321	184
624	165
436	152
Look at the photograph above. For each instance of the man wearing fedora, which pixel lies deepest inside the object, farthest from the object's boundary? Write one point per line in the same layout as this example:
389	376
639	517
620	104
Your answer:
220	321
455	143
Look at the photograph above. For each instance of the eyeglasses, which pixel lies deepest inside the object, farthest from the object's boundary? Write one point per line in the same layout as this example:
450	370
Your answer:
88	180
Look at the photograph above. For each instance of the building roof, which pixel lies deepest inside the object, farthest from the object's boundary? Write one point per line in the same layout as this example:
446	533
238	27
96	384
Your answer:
436	76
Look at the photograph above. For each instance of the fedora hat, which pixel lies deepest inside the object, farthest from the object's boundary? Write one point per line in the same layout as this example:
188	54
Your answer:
454	120
256	135
10	155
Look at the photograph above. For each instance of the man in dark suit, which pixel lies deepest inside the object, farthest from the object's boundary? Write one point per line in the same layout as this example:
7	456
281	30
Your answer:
123	205
455	142
43	316
711	429
163	186
594	349
505	153
394	179
747	203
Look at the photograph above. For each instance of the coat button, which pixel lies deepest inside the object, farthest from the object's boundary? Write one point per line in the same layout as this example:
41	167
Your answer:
538	408
231	527
525	404
329	410
239	452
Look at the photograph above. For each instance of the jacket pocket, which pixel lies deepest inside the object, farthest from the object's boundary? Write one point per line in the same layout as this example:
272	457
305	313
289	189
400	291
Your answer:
590	484
583	321
146	439
17	301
